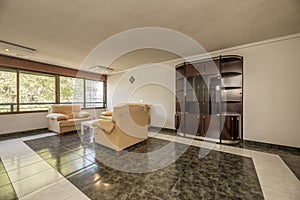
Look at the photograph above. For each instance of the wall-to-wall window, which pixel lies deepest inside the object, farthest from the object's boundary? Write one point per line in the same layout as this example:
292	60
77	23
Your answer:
23	91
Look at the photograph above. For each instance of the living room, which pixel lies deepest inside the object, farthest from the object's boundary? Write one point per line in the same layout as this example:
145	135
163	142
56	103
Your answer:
58	53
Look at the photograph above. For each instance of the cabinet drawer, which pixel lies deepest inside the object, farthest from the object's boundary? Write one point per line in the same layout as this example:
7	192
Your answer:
232	67
232	95
233	81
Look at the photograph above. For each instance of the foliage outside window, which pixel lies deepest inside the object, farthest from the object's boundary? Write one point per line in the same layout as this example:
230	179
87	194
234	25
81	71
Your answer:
71	90
8	90
37	91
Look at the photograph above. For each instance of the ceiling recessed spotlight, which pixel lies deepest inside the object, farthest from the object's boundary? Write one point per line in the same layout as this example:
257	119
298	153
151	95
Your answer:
7	49
105	71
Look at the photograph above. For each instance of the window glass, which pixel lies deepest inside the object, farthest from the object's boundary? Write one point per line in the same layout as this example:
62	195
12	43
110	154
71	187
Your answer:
8	90
94	94
71	90
37	91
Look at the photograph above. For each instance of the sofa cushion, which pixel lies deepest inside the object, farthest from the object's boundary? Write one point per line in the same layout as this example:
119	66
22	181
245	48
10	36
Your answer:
106	113
57	116
65	109
82	114
72	122
106	117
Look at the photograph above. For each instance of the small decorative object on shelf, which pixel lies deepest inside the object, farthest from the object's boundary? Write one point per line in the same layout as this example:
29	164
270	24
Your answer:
209	99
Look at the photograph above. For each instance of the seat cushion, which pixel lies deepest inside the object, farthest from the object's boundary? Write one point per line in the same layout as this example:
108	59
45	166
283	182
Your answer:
57	116
72	122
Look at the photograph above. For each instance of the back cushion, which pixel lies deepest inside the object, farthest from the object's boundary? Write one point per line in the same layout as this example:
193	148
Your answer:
65	109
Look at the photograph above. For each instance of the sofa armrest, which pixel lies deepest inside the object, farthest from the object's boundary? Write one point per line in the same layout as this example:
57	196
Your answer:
107	125
57	116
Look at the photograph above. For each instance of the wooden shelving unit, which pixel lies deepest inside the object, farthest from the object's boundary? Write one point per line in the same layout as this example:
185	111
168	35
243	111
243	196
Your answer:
209	99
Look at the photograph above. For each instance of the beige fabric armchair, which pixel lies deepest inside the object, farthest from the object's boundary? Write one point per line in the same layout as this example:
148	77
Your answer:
66	118
127	126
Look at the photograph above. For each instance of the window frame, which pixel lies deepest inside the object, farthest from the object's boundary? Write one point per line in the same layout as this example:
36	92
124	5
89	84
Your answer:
57	89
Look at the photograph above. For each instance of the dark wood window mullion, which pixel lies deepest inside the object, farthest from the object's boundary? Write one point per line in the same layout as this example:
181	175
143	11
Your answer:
104	94
18	90
57	89
84	93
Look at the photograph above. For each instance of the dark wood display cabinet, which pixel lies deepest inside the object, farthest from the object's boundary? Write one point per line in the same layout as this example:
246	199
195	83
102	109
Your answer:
209	99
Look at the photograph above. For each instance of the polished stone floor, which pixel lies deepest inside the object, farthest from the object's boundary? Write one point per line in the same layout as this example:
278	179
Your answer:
6	189
217	176
290	155
62	167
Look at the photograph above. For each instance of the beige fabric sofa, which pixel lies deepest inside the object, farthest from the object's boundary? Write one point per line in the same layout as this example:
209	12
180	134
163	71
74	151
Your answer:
127	126
66	118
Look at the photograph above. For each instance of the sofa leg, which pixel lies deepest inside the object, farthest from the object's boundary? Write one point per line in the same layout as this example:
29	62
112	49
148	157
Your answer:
61	134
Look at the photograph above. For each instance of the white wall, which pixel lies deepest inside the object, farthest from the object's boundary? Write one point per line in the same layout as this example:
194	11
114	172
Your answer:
271	90
153	85
22	122
30	121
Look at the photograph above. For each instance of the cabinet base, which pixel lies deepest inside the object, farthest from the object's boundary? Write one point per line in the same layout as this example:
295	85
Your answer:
215	140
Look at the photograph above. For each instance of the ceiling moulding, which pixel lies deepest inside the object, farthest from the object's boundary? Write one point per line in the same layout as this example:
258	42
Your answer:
174	62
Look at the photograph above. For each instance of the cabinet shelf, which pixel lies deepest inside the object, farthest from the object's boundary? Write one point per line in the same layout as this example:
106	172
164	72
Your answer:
231	88
230	74
237	101
231	58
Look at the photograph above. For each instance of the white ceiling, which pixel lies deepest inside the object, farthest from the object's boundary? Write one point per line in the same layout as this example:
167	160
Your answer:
64	31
